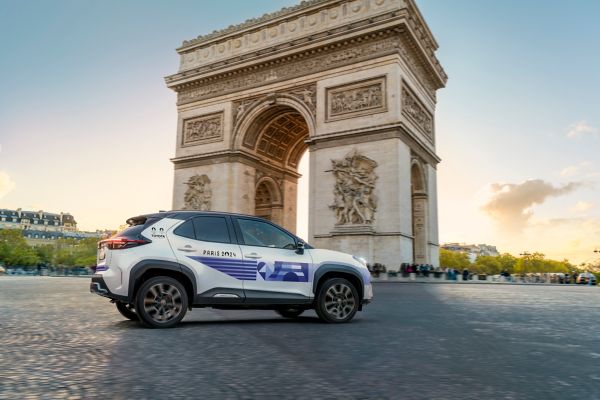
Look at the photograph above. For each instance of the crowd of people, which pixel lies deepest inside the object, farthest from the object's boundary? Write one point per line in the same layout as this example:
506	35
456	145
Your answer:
428	270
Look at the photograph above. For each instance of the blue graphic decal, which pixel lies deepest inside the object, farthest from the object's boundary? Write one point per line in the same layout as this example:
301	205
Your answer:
244	270
284	271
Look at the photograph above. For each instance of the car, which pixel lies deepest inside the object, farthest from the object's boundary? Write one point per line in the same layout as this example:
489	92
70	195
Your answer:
163	264
585	277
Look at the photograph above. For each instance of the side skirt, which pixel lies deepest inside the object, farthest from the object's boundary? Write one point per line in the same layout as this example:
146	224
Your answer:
250	299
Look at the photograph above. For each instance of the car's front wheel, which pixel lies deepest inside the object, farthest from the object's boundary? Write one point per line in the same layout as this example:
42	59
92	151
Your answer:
337	301
161	302
289	312
127	310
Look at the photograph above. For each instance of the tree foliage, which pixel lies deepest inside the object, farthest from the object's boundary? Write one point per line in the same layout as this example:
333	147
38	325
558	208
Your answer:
14	250
493	265
454	259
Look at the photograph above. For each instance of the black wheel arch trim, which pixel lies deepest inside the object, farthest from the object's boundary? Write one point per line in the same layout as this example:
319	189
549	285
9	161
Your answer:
341	268
142	267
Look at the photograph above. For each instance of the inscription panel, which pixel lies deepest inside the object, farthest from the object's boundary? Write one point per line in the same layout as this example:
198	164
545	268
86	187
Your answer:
356	99
202	129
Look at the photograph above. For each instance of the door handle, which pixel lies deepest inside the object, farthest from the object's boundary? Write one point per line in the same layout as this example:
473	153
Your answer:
186	248
253	255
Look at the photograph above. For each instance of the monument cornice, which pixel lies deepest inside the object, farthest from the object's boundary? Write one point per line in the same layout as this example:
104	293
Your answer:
229	156
205	83
307	19
389	131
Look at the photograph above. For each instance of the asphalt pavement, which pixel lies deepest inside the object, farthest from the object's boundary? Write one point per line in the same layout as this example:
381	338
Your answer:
414	341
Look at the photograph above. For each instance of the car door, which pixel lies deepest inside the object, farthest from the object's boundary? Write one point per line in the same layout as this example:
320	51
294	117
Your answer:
282	271
206	245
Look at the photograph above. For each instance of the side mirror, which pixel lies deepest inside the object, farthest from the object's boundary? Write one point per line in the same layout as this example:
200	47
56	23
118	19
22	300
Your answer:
300	247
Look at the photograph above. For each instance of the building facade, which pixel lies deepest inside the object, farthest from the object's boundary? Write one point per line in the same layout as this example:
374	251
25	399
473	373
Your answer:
41	227
472	250
353	83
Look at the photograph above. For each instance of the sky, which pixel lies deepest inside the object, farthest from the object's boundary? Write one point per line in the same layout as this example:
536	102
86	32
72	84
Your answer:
87	125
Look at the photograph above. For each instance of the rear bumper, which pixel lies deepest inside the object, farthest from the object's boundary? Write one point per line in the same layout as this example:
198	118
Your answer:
99	287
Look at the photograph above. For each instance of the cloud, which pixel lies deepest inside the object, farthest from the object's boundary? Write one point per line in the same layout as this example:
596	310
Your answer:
6	184
579	129
509	204
581	206
576	169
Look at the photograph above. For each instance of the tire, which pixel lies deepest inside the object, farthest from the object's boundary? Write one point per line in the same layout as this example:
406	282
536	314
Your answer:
127	310
161	302
289	312
337	301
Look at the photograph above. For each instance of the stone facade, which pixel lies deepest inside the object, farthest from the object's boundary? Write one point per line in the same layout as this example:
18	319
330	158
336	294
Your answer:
351	81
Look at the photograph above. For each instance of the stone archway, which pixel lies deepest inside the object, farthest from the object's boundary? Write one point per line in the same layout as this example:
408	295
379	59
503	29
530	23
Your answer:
353	82
273	131
419	213
267	200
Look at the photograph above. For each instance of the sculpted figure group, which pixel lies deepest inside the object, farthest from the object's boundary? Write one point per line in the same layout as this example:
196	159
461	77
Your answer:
198	194
354	200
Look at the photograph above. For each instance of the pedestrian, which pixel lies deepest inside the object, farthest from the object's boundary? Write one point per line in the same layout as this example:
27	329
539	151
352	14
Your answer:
465	274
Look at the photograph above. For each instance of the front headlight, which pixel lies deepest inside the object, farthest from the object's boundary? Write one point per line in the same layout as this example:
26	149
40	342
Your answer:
360	260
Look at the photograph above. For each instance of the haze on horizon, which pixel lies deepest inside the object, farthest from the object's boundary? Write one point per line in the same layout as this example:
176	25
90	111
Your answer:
87	124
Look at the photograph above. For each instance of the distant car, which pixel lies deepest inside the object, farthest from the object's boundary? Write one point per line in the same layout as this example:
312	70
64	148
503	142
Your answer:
166	263
585	277
2	270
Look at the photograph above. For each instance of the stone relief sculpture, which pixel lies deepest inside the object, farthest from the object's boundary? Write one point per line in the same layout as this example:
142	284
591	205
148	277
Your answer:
202	129
412	108
308	95
354	200
198	194
356	99
305	94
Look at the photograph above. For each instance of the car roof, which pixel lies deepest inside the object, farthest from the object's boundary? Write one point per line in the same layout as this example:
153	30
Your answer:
184	214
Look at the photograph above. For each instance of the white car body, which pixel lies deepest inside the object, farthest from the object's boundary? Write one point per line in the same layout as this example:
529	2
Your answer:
236	274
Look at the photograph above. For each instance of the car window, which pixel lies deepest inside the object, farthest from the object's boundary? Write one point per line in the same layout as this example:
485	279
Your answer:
259	233
211	229
186	230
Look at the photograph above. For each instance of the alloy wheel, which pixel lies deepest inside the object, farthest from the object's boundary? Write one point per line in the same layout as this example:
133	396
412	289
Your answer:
163	302
339	301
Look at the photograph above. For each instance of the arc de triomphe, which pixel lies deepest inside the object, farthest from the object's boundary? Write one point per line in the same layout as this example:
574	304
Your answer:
352	82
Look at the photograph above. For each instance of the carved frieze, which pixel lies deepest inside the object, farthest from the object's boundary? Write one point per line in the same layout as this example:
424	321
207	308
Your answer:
202	129
304	64
356	99
416	112
354	198
198	195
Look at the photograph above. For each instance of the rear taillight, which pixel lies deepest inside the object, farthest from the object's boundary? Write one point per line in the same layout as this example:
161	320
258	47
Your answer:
122	243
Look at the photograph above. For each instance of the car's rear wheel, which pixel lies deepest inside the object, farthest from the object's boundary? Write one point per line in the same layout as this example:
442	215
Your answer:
161	302
127	310
337	301
289	312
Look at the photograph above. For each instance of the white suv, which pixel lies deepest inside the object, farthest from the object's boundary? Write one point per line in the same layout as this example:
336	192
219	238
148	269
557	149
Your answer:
166	263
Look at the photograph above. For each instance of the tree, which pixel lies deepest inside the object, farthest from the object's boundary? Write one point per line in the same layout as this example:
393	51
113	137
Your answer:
507	262
488	264
45	253
454	259
14	250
